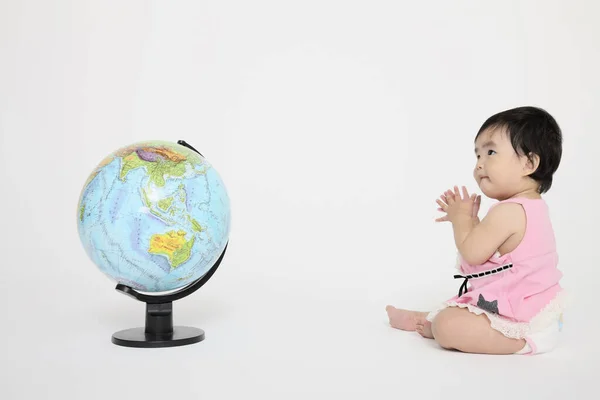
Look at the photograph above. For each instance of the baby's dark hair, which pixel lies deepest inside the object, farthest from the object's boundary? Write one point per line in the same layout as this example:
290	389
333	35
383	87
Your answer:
531	130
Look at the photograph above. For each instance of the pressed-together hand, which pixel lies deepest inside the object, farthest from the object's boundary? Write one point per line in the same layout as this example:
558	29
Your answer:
454	205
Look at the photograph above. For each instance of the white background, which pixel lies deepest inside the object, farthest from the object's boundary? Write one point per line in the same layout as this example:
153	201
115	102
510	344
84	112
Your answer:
335	125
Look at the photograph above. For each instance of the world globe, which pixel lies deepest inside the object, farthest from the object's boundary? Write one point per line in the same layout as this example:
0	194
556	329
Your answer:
154	216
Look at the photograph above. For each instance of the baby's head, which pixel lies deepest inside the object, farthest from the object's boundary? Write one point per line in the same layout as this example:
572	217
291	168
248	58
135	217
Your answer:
518	151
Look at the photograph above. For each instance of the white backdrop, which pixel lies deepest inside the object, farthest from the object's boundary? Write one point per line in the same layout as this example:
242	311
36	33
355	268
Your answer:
335	125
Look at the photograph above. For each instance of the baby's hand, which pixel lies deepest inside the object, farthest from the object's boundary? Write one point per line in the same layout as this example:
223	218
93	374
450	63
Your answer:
454	205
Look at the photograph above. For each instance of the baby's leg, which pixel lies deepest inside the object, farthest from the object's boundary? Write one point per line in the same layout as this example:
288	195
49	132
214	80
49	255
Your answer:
407	320
459	329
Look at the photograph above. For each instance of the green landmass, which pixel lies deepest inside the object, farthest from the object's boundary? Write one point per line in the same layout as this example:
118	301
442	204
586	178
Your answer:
181	193
183	254
195	224
164	204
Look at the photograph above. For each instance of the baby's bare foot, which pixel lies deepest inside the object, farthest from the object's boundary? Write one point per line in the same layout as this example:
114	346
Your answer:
424	329
404	319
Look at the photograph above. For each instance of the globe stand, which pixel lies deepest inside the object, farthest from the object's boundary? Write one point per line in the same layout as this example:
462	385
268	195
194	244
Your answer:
159	330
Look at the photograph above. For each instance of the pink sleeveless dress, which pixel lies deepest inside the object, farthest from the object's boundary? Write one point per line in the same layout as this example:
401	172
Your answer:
518	291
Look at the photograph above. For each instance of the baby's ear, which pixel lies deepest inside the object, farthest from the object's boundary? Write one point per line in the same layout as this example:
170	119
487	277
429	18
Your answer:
532	163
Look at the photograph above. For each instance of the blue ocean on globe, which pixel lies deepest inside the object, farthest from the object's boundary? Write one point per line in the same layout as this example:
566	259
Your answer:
154	216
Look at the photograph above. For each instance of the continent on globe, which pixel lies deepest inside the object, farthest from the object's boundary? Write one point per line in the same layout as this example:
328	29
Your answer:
155	164
173	245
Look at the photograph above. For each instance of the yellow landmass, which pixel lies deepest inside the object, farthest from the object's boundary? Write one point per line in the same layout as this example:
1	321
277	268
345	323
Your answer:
173	245
167	243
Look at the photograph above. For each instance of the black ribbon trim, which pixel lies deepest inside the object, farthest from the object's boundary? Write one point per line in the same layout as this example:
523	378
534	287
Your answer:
464	289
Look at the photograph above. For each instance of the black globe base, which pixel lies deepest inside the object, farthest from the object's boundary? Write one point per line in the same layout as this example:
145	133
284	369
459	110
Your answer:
159	330
138	337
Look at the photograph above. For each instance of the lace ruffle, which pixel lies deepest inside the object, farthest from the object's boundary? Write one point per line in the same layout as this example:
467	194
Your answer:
517	330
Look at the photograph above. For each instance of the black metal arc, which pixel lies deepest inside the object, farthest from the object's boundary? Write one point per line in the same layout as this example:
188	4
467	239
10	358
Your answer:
189	146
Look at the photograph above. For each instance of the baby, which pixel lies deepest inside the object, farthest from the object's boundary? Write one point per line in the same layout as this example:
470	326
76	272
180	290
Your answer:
510	300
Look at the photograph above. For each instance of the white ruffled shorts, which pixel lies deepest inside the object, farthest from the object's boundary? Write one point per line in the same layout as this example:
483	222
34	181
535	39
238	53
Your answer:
541	334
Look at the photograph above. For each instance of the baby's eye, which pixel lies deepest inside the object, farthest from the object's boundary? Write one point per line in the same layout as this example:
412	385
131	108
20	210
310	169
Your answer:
490	152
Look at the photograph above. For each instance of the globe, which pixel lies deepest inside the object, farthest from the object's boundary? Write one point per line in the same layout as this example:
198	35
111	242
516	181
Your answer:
154	216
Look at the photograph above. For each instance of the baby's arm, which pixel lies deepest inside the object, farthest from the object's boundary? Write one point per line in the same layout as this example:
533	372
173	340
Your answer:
478	242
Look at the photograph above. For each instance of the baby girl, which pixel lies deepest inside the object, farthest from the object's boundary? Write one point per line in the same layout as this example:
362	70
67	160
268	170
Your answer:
509	300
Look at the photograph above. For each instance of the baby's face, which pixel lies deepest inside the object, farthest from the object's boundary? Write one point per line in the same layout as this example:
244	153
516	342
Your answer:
499	169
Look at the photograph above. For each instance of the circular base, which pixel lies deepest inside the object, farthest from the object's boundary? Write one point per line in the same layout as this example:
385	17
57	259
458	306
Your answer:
137	337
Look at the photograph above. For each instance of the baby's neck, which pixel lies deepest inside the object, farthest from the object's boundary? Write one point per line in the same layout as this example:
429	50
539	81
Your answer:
527	194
